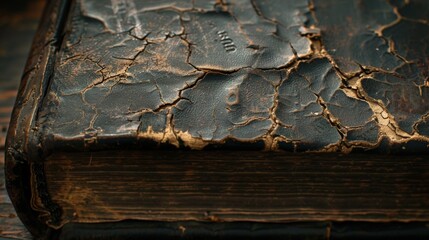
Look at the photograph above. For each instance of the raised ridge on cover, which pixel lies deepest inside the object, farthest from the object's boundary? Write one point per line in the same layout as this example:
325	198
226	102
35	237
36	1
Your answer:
22	143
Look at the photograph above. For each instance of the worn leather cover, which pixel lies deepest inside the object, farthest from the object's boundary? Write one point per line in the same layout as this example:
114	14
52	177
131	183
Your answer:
291	76
273	75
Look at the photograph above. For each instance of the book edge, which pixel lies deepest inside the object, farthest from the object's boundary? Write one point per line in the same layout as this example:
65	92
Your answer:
23	149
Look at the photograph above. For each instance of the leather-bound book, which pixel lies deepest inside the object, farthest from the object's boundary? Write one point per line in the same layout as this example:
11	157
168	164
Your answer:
224	120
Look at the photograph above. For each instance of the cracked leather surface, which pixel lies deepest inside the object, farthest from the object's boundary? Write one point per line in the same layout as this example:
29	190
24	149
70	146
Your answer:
293	75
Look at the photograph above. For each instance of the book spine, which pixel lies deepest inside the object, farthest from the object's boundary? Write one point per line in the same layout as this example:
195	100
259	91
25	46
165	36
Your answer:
23	155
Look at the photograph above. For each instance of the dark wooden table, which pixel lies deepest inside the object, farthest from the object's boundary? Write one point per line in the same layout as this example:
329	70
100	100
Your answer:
18	23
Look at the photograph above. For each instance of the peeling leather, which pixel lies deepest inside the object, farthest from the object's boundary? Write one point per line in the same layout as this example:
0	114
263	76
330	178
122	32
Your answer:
292	75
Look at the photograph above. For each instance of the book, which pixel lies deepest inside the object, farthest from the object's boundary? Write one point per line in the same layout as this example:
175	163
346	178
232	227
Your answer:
222	119
18	23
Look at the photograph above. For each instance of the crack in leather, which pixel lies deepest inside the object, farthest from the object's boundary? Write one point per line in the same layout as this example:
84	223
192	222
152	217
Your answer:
304	77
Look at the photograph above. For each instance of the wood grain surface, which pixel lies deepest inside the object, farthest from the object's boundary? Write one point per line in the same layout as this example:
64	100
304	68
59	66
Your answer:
215	186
